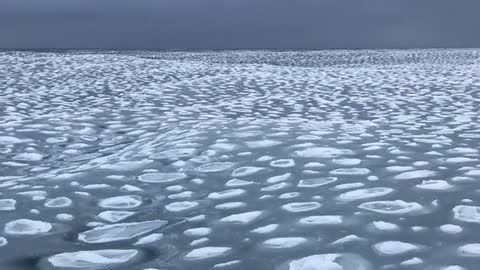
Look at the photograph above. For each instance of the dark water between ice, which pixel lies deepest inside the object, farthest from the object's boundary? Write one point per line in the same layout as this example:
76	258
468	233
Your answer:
240	160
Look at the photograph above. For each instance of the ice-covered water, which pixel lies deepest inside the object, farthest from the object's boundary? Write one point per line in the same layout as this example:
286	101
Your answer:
240	160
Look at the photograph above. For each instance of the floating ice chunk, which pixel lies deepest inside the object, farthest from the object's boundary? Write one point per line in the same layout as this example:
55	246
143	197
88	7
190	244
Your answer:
226	194
115	216
350	171
321	220
121	202
230	205
332	261
316	182
10	140
283	163
237	183
161	177
154	237
451	229
266	229
397	207
469	250
392	248
181	206
199	241
58	202
92	259
438	185
366	193
467	213
207	253
474	172
7	204
242	218
215	167
301	206
385	226
275	187
347	239
284	242
415	175
3	241
314	165
64	217
347	161
118	232
412	261
28	157
202	231
264	158
399	168
460	160
246	171
322	152
127	165
227	264
348	186
452	267
279	178
27	227
177	153
262	143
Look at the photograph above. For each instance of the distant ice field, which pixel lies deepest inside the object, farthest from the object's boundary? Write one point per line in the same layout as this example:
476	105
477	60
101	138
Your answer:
236	160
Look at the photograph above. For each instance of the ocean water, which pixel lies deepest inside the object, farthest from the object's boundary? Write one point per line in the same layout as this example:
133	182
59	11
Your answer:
293	160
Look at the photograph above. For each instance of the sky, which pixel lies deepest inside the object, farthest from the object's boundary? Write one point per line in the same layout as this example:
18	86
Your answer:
238	24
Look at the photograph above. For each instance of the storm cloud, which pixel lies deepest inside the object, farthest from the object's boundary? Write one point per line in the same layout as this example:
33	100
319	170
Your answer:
238	24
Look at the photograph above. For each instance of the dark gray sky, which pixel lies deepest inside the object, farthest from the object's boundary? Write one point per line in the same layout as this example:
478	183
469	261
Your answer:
216	24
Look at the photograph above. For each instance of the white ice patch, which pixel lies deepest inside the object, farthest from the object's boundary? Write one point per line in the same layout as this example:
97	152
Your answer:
115	216
397	207
246	171
415	175
118	232
121	202
467	213
207	253
321	220
226	194
27	227
316	182
242	218
322	152
161	177
215	167
350	171
92	259
58	202
283	242
295	207
362	194
181	206
469	250
7	204
393	248
330	262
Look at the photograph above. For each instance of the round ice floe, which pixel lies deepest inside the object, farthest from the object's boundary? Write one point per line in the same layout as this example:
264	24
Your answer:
161	177
385	226
322	152
350	171
7	204
202	231
154	237
28	157
467	213
332	261
127	165
415	175
436	185
451	228
392	248
215	167
3	241
115	216
279	178
397	207
301	206
469	250
246	171
121	202
177	153
64	217
321	220
283	163
226	194
262	143
58	202
92	259
207	253
118	232
237	183
283	242
27	227
266	229
347	161
230	205
242	218
366	193
316	182
181	206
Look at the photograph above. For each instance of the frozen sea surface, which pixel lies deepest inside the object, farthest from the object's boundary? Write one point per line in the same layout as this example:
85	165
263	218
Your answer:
333	160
